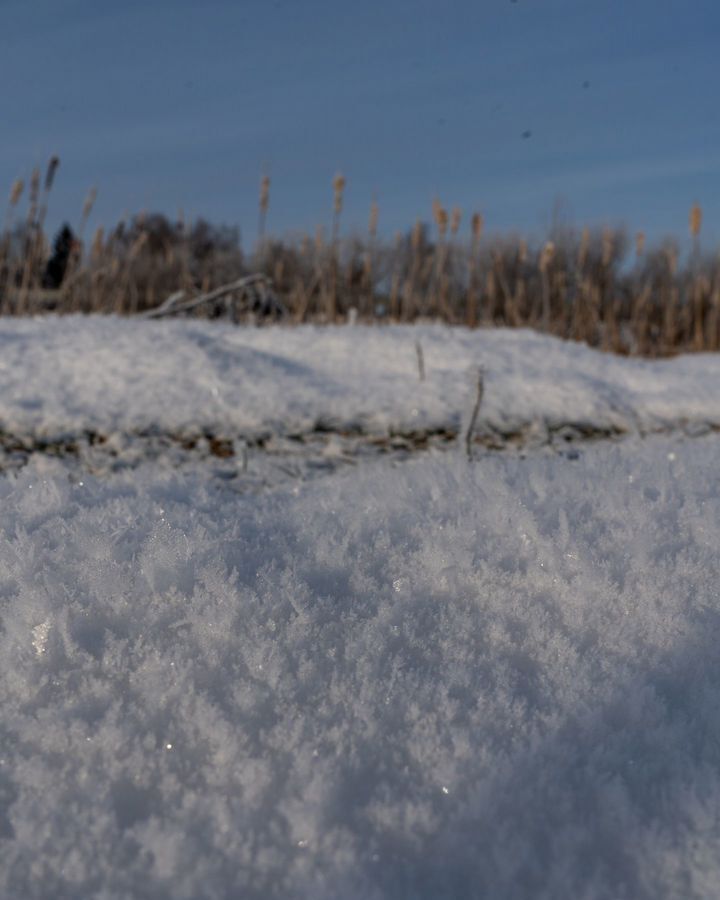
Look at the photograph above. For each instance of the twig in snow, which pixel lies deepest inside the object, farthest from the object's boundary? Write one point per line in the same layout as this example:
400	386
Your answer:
244	456
476	410
420	360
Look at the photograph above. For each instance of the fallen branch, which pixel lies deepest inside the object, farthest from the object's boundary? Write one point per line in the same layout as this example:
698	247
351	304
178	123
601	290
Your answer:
173	305
166	307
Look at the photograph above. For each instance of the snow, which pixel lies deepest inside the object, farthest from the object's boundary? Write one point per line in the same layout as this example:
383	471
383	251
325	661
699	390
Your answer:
433	679
69	375
440	679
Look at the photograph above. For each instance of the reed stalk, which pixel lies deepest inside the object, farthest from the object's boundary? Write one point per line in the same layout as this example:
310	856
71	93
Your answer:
332	298
263	205
476	230
546	257
369	257
440	216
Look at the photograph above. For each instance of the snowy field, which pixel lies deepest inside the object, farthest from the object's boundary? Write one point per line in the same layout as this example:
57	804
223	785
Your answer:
428	679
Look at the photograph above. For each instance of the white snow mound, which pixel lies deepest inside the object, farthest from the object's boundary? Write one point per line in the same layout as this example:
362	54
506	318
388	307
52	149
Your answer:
72	374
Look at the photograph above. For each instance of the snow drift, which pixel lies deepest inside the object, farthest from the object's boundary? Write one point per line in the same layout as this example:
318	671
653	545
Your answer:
65	376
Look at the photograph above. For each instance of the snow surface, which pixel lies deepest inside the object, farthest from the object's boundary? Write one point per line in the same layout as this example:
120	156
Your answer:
61	376
438	680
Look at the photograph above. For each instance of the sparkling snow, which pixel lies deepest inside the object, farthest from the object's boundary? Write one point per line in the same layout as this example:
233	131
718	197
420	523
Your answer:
439	679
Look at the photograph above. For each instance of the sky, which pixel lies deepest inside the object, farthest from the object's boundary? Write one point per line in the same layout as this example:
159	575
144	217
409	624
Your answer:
579	111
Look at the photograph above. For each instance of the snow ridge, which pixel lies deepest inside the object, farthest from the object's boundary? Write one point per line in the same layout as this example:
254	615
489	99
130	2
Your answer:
73	375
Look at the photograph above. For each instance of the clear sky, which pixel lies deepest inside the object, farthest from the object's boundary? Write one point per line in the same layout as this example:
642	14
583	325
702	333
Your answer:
602	110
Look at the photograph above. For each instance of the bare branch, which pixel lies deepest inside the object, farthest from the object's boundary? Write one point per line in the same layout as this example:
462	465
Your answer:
172	306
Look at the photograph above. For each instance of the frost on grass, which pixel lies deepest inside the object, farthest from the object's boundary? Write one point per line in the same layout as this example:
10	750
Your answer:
497	680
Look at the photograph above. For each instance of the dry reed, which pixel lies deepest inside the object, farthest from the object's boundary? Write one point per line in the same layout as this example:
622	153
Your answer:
573	285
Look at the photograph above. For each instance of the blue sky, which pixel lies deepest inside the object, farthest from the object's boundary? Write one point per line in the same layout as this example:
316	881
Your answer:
174	104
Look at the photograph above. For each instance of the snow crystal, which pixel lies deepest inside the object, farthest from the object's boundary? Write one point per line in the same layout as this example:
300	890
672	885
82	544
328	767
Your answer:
40	637
235	699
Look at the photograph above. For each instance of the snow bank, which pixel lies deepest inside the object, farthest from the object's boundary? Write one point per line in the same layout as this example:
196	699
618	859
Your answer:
439	680
68	375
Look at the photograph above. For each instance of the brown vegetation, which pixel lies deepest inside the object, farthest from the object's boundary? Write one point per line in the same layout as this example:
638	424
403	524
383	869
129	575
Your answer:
593	286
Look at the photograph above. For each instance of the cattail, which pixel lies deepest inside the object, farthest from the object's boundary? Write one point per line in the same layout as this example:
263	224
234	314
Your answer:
37	215
584	248
477	224
34	186
442	222
373	223
263	205
671	299
608	245
411	282
395	280
34	197
369	252
491	291
264	193
33	242
97	243
89	203
50	173
639	243
455	218
517	304
441	219
15	195
16	191
417	233
441	255
695	220
319	246
546	256
338	188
